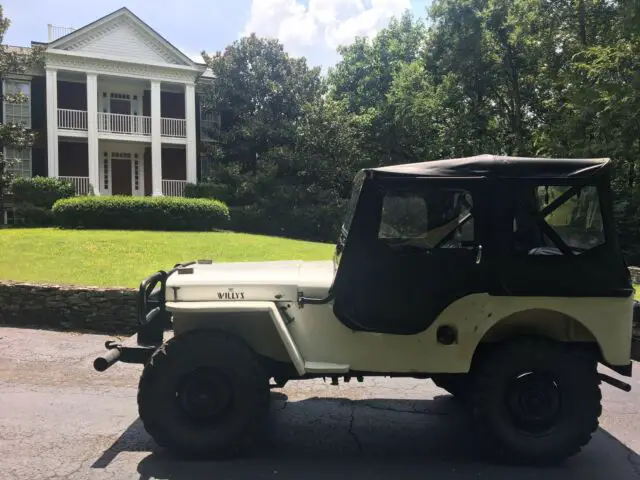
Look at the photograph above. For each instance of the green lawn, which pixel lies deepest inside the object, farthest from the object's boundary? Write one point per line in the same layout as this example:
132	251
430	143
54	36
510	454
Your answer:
124	258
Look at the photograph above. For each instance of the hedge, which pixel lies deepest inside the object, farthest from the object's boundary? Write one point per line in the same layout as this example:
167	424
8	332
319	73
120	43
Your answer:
140	213
40	192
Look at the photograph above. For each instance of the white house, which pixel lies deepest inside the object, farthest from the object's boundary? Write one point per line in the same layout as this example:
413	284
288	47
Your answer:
116	107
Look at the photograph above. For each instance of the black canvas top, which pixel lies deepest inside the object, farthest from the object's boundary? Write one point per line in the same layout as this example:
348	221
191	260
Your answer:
499	167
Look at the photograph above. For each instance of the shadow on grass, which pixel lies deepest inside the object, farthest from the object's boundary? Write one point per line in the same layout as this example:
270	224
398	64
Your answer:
373	438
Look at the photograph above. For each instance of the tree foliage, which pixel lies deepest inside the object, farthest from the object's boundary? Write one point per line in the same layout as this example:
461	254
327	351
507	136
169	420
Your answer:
555	78
13	135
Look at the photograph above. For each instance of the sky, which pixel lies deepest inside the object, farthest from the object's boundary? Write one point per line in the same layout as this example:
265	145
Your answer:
313	28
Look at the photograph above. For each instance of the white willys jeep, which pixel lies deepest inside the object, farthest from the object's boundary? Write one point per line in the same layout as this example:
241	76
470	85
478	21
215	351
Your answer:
499	278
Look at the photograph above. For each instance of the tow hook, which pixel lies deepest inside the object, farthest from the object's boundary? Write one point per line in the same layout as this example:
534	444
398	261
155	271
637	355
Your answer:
615	382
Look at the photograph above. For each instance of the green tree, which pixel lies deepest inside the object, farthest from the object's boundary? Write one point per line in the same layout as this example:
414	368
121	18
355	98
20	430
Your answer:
364	77
286	151
259	92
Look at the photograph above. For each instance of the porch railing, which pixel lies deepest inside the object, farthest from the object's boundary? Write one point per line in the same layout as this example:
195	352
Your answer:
125	124
174	127
173	188
81	184
72	119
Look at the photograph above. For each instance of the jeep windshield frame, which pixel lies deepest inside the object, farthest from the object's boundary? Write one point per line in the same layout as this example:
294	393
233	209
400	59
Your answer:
358	182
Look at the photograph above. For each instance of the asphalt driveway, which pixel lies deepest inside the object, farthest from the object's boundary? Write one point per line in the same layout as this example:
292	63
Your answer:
61	419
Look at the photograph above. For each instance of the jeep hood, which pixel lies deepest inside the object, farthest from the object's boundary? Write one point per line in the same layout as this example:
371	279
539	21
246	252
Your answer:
253	281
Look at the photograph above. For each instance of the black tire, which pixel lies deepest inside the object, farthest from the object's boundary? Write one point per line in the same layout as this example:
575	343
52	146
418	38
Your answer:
563	375
457	384
220	419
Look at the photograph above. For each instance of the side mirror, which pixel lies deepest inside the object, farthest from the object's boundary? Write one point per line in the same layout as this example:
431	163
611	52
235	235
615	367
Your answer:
479	255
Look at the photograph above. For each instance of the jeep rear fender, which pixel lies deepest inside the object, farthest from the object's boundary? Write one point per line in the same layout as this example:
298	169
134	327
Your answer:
260	324
605	322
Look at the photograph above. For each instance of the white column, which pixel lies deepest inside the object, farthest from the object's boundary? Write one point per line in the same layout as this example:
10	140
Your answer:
92	132
156	140
52	122
192	147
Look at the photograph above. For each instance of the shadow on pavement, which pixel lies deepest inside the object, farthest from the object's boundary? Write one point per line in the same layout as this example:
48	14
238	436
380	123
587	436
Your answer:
372	438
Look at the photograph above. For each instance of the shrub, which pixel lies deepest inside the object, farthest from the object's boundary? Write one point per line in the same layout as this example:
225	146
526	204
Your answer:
40	192
31	215
141	213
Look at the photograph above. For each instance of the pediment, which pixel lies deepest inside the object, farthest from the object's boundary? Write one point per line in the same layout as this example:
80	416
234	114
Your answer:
125	36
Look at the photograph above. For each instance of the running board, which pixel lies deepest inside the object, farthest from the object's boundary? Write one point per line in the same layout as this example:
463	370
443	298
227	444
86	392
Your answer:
323	367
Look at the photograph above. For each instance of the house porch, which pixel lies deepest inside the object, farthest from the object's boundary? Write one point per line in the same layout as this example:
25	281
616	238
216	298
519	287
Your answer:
125	168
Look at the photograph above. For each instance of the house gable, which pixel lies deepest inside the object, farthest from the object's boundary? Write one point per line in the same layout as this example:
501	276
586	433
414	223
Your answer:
122	35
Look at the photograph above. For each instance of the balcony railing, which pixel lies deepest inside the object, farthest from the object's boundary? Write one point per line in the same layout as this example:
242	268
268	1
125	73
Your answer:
121	124
174	127
124	124
72	119
81	184
173	188
56	32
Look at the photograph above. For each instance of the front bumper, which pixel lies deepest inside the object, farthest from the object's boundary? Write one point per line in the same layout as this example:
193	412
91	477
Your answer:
152	321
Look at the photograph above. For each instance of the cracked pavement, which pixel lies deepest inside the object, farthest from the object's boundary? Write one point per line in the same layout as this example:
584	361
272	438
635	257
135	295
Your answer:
60	419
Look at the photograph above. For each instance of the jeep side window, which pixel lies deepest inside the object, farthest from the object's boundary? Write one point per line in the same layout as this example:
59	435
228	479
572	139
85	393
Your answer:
575	219
436	218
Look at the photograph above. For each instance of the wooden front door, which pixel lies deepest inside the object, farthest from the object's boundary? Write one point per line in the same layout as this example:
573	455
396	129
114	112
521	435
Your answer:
120	176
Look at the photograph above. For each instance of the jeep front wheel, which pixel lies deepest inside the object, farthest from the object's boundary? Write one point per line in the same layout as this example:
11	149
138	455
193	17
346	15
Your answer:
538	400
203	393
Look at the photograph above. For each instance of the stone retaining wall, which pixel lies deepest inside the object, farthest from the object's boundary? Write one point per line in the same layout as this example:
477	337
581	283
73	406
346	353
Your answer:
100	310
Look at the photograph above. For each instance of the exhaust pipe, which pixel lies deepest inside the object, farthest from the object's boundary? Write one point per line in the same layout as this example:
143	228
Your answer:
625	387
104	362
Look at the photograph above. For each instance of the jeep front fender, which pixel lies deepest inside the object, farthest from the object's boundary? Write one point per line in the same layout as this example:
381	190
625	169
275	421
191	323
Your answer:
192	309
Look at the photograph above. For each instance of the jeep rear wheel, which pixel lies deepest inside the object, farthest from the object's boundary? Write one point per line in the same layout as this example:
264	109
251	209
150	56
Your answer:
537	400
203	393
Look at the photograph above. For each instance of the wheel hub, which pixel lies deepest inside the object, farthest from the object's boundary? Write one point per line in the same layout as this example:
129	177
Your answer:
534	402
204	394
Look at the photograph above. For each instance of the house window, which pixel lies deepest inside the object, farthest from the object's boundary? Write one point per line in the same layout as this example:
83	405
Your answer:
105	173
206	167
209	124
17	112
120	103
20	164
136	175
